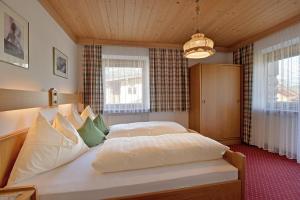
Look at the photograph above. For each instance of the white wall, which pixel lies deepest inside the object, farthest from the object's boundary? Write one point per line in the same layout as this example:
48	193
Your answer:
217	58
44	33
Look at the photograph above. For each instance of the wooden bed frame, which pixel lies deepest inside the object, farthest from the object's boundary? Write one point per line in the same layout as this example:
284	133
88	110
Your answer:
11	144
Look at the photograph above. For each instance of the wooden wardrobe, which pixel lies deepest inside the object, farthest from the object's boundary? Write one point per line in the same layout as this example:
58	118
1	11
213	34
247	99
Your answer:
215	105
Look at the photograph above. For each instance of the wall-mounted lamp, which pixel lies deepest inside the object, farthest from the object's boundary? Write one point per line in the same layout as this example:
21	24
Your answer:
53	97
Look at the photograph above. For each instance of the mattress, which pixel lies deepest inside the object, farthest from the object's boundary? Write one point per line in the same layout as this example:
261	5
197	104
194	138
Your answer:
78	180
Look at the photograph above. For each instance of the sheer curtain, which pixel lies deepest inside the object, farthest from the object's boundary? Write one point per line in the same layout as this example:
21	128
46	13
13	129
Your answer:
125	80
276	88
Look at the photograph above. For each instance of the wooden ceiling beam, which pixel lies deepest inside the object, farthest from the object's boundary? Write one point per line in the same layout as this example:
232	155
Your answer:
84	41
46	4
263	34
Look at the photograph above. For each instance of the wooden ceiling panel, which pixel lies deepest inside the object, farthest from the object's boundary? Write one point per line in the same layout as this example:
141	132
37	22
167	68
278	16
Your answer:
227	22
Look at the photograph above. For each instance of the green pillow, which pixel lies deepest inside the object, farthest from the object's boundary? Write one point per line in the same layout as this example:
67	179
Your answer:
90	134
99	123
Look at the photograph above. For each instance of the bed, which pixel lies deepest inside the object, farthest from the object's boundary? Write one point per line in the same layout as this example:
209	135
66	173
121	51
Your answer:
185	181
78	180
217	179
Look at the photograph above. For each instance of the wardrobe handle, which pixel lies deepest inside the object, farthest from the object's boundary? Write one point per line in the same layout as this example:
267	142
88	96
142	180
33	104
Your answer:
203	101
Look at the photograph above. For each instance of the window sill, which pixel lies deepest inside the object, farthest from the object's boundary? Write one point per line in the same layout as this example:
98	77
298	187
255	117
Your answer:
125	112
281	112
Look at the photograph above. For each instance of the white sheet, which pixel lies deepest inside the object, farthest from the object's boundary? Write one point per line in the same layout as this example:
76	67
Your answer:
78	180
130	153
145	129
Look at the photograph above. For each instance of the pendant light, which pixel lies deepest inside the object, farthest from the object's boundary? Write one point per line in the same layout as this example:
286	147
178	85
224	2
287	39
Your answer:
198	46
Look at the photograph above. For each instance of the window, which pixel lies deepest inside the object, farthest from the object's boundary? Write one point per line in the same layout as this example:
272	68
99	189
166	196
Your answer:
283	84
288	80
126	83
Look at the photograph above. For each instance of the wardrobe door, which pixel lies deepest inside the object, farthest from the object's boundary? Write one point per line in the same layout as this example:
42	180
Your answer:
229	106
220	105
210	124
195	98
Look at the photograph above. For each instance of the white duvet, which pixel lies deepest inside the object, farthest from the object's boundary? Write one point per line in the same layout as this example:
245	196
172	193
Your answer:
128	153
145	129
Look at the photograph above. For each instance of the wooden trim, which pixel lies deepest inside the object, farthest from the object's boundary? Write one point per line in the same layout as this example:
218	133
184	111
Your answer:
46	4
21	99
256	37
218	64
238	160
27	192
85	41
10	146
242	102
223	49
66	98
225	190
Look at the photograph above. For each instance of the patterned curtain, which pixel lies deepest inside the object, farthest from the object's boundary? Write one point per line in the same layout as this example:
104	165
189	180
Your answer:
92	78
169	80
244	57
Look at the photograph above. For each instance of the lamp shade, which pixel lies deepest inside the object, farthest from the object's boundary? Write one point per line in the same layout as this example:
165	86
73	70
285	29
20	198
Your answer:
198	46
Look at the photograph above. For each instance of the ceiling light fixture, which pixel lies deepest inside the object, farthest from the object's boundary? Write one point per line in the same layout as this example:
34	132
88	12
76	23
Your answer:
198	46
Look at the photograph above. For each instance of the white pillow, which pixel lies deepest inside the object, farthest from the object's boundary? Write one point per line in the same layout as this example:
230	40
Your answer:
46	148
145	128
128	153
88	112
75	118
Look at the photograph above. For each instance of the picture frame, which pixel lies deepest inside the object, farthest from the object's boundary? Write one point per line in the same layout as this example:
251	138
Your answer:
14	37
60	63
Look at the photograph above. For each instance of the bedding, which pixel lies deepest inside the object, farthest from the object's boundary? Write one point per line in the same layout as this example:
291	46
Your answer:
78	120
144	129
78	180
90	134
88	112
75	118
99	123
129	153
47	147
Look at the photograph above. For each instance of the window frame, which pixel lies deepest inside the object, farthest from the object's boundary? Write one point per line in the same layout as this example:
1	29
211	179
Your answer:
125	107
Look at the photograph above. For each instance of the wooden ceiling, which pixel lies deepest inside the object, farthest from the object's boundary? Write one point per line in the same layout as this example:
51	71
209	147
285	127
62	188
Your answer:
171	22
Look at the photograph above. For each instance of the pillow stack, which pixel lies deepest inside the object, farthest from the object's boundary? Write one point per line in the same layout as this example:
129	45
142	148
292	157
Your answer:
47	147
91	128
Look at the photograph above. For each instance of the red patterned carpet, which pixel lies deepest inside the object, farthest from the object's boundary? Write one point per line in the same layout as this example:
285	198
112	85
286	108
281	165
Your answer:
270	176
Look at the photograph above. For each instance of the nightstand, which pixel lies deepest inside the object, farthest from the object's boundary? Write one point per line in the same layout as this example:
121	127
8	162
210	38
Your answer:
18	193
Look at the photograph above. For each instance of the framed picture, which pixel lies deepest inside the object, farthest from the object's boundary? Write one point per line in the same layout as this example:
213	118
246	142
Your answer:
13	37
60	63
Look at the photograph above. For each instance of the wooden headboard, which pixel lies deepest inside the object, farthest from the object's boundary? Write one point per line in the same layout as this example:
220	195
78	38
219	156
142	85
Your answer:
11	143
10	146
22	99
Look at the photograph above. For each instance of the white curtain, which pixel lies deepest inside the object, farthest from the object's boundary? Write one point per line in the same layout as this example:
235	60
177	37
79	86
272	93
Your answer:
125	80
276	88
